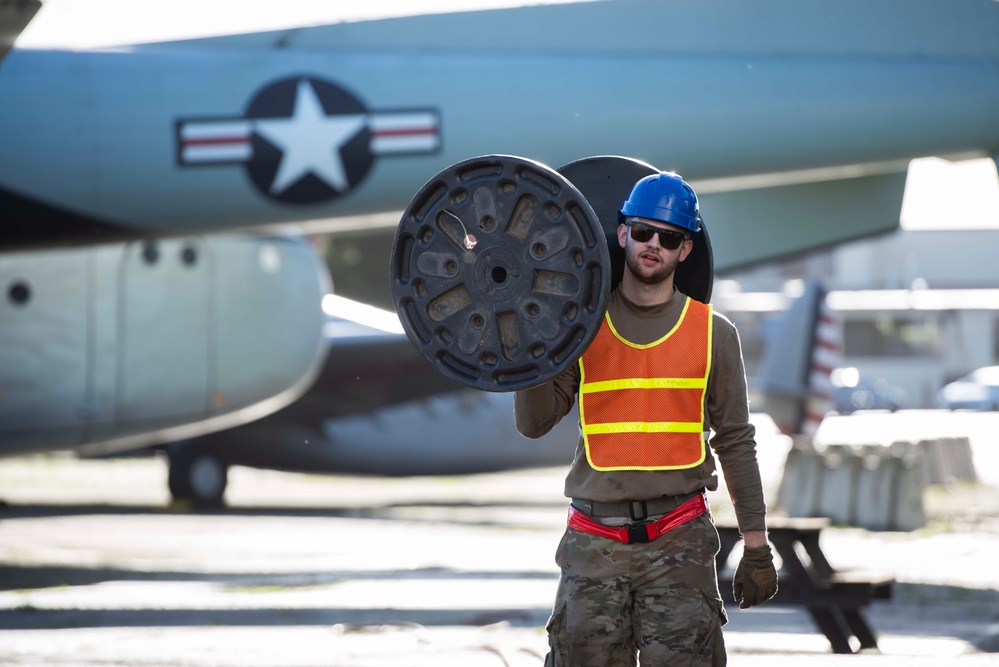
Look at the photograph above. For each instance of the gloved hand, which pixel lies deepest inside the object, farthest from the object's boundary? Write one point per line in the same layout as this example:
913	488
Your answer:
755	579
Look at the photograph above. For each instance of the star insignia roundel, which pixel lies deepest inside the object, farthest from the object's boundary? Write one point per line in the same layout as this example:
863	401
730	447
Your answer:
306	140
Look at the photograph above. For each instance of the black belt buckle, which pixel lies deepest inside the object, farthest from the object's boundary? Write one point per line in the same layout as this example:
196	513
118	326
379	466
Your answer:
642	507
638	533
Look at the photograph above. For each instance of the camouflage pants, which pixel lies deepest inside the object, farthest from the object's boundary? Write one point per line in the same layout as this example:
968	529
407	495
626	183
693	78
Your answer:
658	600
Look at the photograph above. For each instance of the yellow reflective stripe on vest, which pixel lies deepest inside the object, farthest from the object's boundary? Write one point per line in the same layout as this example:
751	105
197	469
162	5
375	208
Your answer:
644	383
644	427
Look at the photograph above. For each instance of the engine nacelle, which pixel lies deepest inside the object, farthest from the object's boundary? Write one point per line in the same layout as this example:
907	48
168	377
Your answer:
127	345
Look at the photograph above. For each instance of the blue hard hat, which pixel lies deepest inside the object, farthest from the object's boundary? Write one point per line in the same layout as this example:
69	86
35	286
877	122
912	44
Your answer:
664	197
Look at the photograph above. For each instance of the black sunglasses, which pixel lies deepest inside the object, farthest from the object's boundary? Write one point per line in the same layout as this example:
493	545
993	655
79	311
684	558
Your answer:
668	238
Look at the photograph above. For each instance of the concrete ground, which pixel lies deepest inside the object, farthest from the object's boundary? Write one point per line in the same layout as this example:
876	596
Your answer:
98	569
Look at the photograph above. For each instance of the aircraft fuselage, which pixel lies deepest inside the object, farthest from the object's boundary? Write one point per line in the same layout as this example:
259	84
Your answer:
350	119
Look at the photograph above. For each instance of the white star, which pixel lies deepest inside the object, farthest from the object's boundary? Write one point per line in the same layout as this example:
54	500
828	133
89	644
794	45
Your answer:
310	141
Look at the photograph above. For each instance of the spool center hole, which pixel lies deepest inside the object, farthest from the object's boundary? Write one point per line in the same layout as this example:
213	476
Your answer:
499	274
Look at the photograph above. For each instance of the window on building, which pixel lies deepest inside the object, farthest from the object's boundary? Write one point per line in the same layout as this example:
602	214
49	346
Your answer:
893	336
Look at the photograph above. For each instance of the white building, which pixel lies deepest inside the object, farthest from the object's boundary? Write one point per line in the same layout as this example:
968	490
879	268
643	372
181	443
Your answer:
917	308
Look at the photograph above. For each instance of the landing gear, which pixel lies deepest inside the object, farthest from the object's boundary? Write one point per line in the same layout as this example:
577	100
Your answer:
196	476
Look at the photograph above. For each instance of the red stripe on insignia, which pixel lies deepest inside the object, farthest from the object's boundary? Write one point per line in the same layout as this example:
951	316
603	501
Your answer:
215	141
409	132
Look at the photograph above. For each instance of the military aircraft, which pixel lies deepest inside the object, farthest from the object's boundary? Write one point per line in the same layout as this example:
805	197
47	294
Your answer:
132	315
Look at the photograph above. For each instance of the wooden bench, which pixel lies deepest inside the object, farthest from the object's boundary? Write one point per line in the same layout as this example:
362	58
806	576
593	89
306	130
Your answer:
835	599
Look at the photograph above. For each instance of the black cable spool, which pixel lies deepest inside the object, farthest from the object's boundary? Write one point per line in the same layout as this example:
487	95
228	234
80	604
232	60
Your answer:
500	272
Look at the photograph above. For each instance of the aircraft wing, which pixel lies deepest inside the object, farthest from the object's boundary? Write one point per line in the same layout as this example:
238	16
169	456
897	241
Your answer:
762	219
14	16
368	369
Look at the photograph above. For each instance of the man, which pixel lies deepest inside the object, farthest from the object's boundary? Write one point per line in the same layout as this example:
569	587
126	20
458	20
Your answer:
638	556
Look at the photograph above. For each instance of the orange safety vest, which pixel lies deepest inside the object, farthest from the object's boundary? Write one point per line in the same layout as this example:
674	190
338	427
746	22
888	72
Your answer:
641	407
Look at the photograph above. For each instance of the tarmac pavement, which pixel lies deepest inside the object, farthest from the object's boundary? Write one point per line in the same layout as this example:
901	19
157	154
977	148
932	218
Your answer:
98	569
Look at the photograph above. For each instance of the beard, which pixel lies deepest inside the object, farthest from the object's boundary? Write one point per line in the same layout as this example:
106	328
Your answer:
650	275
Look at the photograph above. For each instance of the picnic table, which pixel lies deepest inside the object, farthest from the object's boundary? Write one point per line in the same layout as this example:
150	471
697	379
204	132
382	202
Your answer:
835	599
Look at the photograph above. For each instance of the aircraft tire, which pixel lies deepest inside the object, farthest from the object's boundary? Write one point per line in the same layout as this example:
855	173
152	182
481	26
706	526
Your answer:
197	477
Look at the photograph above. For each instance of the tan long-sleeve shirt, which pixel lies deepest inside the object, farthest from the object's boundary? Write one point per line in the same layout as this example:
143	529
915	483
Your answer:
538	409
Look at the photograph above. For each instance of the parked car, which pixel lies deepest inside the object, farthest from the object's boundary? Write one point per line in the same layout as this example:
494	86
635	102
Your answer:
978	390
865	396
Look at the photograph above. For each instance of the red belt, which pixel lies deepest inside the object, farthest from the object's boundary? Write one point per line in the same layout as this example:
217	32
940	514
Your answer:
645	531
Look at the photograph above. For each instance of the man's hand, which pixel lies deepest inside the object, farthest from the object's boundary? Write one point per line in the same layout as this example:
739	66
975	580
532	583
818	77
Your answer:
755	579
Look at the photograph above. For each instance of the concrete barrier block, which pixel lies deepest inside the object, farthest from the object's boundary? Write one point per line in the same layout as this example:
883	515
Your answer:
931	464
873	494
962	458
801	483
871	486
947	460
837	497
908	484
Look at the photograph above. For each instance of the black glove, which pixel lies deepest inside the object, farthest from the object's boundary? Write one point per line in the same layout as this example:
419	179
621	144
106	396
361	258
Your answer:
755	579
